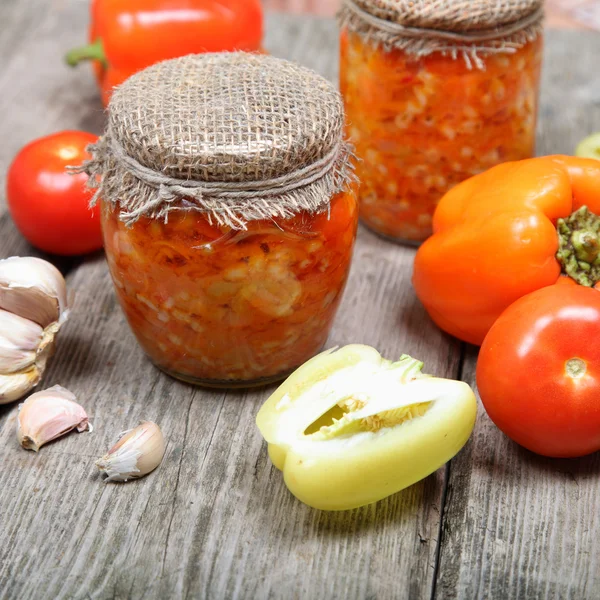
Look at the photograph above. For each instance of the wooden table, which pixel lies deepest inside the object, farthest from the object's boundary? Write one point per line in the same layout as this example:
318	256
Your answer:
573	14
216	521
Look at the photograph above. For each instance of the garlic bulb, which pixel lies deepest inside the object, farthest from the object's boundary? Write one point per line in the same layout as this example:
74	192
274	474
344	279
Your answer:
33	306
137	452
48	414
16	385
19	342
32	288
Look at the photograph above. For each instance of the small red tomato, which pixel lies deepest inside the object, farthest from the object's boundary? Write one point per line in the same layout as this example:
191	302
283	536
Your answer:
539	371
49	206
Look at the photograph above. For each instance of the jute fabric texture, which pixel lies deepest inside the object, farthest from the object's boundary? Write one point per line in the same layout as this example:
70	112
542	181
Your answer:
468	28
237	136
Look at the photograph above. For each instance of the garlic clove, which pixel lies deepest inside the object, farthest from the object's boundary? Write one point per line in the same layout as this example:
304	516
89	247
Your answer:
19	342
34	289
16	385
25	349
48	414
137	452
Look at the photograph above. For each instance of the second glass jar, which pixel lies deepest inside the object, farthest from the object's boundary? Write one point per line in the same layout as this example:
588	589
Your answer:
421	125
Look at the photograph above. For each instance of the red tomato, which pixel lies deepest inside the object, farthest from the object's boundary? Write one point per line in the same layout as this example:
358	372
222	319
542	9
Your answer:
539	371
49	206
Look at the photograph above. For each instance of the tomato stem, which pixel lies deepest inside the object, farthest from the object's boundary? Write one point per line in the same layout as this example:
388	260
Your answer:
579	246
575	368
93	51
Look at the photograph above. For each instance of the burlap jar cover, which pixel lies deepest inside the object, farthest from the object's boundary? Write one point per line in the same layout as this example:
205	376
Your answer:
236	136
472	29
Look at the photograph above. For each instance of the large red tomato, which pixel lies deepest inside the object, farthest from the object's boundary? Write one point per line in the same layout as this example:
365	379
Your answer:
49	206
539	371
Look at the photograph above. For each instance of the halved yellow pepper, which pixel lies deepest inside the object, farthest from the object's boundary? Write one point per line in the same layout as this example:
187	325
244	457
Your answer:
349	427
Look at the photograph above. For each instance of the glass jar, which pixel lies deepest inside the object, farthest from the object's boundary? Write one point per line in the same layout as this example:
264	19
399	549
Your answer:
229	214
212	305
422	123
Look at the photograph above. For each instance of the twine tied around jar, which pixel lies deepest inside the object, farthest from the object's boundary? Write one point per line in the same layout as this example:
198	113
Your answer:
239	137
469	28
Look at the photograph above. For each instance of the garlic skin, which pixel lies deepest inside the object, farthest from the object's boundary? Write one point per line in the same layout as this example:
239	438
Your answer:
34	289
49	414
137	452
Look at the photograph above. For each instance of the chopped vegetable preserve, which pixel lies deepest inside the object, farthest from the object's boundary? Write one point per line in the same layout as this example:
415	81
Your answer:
423	124
214	305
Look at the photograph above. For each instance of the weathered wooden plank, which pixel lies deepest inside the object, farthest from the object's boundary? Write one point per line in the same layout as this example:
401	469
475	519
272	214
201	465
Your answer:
517	525
560	13
215	520
286	547
40	94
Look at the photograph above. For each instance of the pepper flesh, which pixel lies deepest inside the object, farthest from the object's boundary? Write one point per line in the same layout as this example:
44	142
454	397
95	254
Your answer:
126	37
495	240
213	305
422	125
349	428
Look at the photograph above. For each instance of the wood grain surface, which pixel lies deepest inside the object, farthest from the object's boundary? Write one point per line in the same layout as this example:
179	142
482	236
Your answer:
570	14
517	525
215	520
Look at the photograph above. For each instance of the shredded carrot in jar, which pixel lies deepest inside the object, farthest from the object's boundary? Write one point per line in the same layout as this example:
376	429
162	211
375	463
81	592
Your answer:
422	125
213	305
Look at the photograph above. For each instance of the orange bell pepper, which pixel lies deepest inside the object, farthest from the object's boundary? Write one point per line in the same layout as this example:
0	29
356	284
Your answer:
126	37
505	233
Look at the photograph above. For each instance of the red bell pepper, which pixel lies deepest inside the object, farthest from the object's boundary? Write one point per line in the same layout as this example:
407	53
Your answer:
126	37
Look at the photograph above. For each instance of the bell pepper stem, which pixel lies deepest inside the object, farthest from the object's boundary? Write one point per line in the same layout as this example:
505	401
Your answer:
579	246
93	51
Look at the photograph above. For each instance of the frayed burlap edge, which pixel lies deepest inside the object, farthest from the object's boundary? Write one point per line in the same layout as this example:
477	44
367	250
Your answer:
423	42
154	195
